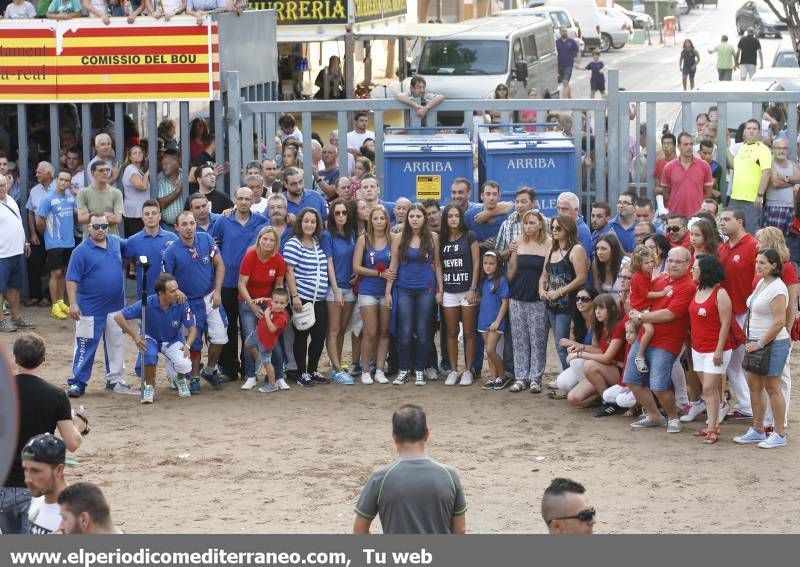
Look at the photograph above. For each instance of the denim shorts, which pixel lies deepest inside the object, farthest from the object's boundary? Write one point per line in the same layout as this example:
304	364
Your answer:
778	356
347	295
564	73
659	364
11	271
368	300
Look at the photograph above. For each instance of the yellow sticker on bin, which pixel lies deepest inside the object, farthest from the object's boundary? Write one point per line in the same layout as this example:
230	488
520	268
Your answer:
429	187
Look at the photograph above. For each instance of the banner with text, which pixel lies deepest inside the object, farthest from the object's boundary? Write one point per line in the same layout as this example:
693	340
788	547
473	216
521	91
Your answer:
86	61
307	12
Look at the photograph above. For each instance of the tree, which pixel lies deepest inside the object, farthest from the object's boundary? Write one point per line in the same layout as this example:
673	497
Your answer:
788	14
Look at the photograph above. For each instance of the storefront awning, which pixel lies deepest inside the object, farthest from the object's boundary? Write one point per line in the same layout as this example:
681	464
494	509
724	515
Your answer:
290	34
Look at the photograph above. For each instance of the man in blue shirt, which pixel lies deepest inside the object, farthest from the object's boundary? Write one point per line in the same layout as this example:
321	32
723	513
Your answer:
151	241
568	52
196	263
55	218
494	214
598	221
234	234
201	210
165	318
96	290
624	223
298	198
569	204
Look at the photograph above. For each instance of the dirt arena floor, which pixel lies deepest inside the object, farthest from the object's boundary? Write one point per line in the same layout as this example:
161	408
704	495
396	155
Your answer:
294	462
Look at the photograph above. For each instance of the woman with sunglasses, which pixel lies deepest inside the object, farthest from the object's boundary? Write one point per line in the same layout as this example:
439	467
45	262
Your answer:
417	263
307	281
565	271
338	244
371	259
580	335
527	313
605	358
608	259
461	270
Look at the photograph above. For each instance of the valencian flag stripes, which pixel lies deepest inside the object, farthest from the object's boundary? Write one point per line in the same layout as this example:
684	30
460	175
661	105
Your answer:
84	60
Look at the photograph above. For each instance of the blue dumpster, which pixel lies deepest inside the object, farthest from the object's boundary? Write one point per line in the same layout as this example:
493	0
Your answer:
423	166
542	160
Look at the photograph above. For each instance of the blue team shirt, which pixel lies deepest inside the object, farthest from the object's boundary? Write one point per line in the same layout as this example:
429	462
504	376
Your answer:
233	239
310	199
212	221
59	213
162	326
98	273
627	237
341	249
142	244
192	266
490	303
483	230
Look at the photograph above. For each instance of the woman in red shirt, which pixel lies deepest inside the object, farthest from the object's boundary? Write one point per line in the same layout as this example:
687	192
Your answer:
262	269
710	313
604	358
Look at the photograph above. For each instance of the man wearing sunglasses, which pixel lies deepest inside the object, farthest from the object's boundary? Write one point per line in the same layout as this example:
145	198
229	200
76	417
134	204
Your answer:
100	198
96	290
566	509
677	231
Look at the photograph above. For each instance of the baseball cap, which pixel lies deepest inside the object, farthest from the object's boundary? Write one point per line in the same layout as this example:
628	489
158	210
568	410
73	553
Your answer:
46	448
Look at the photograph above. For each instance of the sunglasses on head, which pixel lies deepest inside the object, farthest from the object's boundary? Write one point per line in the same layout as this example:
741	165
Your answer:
103	226
582	516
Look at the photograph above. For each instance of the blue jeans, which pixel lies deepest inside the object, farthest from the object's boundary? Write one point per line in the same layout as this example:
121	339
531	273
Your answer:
559	322
248	322
659	365
414	317
14	504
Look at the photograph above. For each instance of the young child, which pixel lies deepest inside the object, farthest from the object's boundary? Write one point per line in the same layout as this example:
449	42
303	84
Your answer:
261	341
619	393
643	262
491	317
597	82
19	9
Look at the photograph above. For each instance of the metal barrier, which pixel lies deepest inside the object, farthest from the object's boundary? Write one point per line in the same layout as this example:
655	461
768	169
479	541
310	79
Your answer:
608	121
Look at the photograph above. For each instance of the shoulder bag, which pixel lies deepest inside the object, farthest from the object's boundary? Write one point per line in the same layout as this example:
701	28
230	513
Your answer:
305	318
756	362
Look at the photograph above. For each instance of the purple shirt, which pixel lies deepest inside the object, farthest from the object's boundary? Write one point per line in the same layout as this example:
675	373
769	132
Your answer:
567	52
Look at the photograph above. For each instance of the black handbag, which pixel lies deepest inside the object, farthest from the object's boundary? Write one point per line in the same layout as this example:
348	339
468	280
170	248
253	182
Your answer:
756	362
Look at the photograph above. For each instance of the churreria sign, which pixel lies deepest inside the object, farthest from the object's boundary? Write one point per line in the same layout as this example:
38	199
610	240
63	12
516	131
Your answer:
301	12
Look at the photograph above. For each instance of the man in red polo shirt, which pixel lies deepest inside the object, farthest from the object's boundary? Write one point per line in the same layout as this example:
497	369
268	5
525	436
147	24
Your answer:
670	317
738	258
677	231
687	179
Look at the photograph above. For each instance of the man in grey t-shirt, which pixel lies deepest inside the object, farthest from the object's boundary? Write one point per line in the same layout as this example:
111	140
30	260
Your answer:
415	494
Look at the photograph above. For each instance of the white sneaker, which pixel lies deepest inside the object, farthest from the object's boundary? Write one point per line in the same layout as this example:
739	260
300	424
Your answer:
282	385
431	374
182	385
148	396
452	378
419	378
380	377
402	376
695	409
250	383
366	378
466	379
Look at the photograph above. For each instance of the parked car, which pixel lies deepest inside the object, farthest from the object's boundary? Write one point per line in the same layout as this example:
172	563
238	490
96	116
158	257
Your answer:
757	15
559	16
785	56
615	27
641	21
683	7
788	77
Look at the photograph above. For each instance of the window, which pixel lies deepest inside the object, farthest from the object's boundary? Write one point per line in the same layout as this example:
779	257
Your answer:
464	57
529	47
518	53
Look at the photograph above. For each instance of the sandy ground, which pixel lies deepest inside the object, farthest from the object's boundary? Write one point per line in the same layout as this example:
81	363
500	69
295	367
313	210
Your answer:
294	462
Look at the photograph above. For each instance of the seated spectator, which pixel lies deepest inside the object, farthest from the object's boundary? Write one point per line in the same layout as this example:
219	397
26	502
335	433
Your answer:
98	9
64	10
19	9
168	8
580	335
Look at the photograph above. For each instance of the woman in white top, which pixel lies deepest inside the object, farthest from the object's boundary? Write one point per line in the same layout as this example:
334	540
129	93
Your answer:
135	189
766	326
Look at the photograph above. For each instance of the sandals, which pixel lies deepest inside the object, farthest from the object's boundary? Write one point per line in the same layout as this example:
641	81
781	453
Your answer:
641	364
556	395
712	436
518	386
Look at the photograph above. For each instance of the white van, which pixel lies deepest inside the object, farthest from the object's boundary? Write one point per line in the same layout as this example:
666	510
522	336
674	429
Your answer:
472	63
588	17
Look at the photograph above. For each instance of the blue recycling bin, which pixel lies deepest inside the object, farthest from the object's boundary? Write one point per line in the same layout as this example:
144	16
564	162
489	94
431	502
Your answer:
423	165
542	160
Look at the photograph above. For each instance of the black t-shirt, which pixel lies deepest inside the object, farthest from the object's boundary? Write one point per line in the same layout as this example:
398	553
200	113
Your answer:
749	46
41	407
457	264
218	200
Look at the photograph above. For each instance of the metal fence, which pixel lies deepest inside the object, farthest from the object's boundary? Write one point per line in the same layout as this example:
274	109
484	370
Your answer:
606	124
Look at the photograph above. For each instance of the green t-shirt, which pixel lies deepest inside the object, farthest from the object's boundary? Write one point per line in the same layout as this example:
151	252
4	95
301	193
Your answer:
64	7
748	164
99	202
725	53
